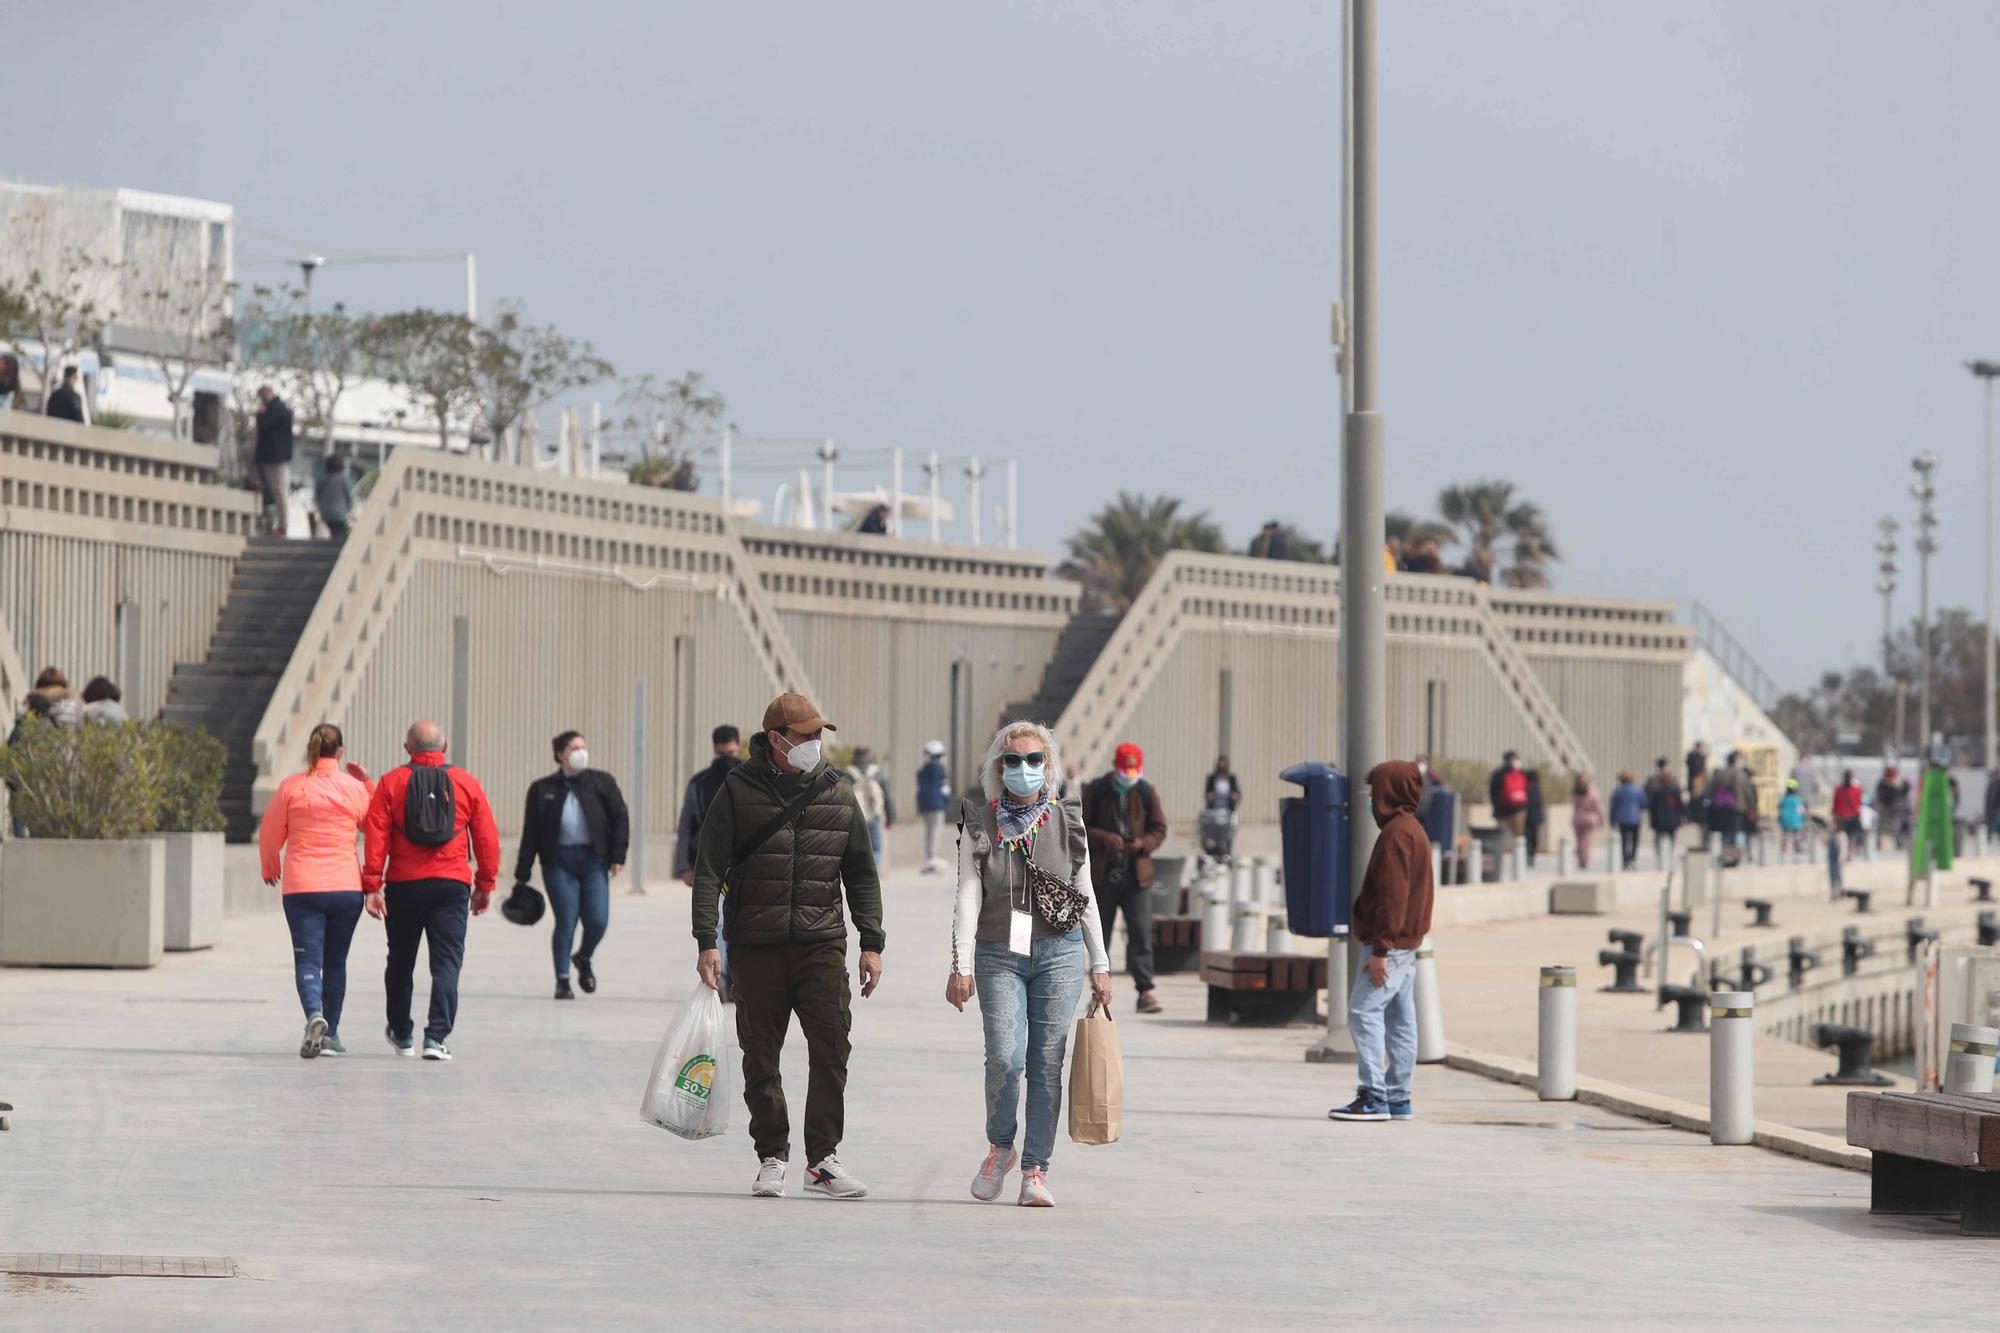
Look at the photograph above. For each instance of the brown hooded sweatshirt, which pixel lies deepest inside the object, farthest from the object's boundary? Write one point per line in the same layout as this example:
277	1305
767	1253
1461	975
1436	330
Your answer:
1393	910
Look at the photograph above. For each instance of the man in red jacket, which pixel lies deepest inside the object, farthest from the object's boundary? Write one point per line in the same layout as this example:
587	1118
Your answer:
418	876
1391	916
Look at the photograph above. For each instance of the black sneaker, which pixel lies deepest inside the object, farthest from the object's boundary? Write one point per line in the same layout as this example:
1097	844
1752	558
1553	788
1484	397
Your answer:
563	992
1363	1107
586	976
403	1044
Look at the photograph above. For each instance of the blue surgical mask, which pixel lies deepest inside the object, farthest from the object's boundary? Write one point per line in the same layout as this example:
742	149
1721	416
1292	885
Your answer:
1023	780
1125	781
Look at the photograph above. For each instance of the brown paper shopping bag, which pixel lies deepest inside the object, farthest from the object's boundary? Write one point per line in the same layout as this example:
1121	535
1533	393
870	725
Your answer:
1096	1080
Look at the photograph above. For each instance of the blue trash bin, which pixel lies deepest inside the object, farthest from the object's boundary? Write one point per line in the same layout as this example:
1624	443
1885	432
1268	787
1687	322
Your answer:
1314	829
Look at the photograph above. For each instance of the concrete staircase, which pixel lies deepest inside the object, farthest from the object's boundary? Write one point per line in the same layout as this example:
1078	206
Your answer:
1076	650
276	585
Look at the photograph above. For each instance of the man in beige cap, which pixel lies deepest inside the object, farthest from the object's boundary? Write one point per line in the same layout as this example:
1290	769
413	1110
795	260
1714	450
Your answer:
781	837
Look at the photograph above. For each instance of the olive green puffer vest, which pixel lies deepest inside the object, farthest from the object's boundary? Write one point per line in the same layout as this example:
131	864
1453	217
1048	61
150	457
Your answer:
788	892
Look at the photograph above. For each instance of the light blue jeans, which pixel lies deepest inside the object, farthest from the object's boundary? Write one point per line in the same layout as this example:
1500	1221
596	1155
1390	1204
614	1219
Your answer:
579	885
1383	1022
1027	1005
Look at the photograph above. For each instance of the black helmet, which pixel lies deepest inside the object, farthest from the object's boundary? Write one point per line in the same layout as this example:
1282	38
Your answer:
524	906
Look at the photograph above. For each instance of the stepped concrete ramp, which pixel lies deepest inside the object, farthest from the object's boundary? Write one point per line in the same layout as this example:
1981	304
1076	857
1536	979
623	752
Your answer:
166	1113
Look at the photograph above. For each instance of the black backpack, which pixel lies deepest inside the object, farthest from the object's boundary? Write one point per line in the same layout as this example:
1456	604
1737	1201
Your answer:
430	813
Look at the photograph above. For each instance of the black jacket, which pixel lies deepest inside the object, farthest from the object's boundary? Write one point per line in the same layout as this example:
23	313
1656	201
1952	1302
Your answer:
66	403
274	433
701	792
603	811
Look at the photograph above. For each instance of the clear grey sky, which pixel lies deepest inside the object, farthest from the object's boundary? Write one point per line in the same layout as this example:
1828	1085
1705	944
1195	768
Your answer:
1698	275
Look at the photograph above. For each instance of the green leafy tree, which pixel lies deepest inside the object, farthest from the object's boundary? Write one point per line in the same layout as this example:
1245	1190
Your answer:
431	354
517	366
1117	551
55	305
671	421
314	355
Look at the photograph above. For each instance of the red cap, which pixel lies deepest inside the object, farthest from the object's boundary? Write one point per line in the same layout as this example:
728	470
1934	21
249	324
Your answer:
1128	755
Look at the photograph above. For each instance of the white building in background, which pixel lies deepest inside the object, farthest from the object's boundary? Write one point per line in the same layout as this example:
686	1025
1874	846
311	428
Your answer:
138	243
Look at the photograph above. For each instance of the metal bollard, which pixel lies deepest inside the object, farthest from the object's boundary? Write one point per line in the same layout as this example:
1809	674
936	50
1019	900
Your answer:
1555	1079
1860	899
1277	935
1799	960
1680	921
1562	856
1982	890
1430	1007
1215	914
1969	1067
1246	911
1916	934
1689	1002
1519	870
1988	925
1732	1074
1762	907
1857	1057
1753	973
1853	949
1624	960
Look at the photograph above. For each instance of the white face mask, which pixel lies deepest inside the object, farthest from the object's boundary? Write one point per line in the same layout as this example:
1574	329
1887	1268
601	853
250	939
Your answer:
577	761
804	756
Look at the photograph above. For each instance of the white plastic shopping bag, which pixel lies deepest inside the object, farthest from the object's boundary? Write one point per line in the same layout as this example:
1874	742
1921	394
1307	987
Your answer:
694	1075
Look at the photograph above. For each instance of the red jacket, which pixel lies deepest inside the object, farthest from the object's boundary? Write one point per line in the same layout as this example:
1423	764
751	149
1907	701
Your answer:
1847	801
392	858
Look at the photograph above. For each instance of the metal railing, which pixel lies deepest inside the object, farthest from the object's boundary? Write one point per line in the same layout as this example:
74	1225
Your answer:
1734	658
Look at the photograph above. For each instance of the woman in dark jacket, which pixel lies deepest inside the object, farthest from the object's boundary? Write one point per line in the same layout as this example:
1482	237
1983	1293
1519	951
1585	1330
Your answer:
576	823
1537	813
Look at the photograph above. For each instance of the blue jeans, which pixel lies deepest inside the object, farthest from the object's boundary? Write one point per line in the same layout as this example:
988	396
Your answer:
1383	1021
322	928
579	884
1027	1005
875	839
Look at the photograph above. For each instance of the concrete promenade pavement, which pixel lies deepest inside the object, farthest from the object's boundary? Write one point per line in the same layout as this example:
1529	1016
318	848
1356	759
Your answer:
167	1113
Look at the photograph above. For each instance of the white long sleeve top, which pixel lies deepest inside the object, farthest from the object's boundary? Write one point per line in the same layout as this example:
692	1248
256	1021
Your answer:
965	916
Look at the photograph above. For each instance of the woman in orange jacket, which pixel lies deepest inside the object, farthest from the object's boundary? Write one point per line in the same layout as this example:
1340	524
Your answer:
313	820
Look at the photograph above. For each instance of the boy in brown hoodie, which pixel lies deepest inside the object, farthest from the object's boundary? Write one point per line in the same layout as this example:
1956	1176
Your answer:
1391	916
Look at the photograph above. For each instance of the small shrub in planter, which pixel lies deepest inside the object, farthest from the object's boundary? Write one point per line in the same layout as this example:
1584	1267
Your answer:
98	782
190	763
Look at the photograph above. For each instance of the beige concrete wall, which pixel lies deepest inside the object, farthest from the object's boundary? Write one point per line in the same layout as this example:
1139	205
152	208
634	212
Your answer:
116	551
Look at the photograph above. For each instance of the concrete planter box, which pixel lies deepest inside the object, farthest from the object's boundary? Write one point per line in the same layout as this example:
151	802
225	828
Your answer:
1581	897
83	903
195	890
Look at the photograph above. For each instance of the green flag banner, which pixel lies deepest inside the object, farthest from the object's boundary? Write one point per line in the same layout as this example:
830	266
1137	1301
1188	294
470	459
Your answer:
1930	839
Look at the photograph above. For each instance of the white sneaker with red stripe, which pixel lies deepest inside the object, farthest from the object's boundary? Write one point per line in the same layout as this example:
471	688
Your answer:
830	1178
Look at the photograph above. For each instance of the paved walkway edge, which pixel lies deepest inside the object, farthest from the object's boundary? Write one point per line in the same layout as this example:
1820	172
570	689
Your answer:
1822	1148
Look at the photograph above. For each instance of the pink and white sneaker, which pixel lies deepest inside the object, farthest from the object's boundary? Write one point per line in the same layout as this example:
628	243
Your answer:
1035	1188
993	1172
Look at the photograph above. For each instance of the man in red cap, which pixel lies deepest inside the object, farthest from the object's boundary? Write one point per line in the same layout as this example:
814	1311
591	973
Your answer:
1121	813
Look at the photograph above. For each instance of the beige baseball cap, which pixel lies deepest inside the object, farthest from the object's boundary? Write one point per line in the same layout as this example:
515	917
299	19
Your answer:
796	712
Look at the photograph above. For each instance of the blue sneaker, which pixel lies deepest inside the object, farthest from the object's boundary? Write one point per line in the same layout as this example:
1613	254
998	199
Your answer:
1367	1106
435	1049
1401	1111
403	1044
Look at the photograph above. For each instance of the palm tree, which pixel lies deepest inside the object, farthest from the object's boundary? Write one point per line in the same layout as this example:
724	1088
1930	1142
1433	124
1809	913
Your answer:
1502	535
1116	553
1403	531
1533	549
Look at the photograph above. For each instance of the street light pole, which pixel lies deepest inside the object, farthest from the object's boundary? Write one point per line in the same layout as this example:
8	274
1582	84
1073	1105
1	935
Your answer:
1888	567
1987	371
1364	692
1925	493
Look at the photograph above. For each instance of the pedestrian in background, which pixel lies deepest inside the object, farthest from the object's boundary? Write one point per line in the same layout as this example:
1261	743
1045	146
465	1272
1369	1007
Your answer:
65	403
1536	815
1391	916
1847	812
102	702
273	457
1628	812
10	380
1792	819
1697	769
1664	810
576	824
63	706
785	835
333	496
1015	842
872	791
305	843
1121	812
726	743
1507	794
428	823
1586	816
933	799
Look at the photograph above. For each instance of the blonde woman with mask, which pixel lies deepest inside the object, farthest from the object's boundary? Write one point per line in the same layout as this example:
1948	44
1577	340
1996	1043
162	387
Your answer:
1024	937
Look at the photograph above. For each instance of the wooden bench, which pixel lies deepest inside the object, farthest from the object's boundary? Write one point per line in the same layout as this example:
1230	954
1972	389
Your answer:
1935	1153
1176	943
1263	988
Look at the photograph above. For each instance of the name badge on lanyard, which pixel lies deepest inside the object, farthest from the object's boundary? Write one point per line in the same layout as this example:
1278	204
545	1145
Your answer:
1021	932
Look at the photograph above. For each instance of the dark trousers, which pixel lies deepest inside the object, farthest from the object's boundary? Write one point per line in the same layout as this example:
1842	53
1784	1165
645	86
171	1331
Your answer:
1628	844
771	983
436	909
322	926
1123	891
